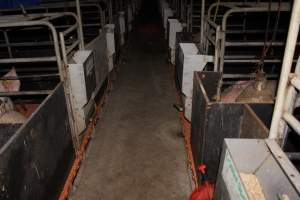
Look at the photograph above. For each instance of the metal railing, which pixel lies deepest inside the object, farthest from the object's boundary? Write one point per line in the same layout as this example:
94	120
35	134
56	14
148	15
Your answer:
217	29
91	15
289	84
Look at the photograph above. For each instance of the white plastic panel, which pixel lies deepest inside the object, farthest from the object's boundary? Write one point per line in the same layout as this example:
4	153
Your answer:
110	41
175	26
129	17
77	81
122	27
163	5
167	12
83	84
98	46
82	77
192	61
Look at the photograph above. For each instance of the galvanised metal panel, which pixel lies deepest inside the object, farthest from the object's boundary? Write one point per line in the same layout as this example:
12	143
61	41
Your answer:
212	121
35	161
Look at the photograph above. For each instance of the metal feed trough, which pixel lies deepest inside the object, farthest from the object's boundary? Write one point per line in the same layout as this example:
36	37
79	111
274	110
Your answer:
236	38
256	169
214	120
269	169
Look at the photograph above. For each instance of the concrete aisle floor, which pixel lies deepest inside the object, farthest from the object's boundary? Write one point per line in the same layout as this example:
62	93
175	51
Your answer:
137	151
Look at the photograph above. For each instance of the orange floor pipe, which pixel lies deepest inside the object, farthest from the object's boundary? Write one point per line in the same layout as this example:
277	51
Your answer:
86	139
186	131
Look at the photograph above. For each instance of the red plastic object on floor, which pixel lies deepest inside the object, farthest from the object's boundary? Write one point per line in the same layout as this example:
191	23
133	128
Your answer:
204	191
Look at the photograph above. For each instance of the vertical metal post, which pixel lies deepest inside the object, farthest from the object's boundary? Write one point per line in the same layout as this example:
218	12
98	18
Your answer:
110	12
289	105
217	49
7	42
102	17
182	10
285	70
191	15
202	23
78	9
222	50
70	100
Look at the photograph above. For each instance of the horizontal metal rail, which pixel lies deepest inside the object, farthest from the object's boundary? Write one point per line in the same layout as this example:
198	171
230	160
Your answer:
28	60
296	83
292	121
19	77
212	29
72	47
237	76
293	155
253	44
254	61
25	93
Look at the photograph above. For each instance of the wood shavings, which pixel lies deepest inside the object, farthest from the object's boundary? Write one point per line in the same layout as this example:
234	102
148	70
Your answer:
252	186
